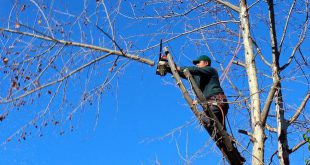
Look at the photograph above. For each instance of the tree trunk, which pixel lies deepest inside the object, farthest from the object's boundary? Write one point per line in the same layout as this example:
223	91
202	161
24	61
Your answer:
258	131
283	150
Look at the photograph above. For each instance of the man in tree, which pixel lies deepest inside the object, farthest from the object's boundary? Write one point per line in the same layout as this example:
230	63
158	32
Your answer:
207	79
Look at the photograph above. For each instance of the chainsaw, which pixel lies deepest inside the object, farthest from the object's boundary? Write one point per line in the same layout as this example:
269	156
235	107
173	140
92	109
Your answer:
162	64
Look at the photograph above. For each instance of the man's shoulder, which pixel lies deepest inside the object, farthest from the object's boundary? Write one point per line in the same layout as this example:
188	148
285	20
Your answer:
209	68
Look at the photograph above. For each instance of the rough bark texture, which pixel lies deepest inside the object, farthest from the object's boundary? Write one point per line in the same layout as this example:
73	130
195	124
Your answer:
258	131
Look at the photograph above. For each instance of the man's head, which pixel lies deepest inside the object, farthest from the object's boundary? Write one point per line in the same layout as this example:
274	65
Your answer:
202	61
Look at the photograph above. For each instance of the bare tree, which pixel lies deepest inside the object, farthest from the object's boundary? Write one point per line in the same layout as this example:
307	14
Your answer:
50	51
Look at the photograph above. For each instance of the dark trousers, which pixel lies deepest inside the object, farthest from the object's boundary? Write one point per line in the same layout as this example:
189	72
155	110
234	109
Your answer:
219	106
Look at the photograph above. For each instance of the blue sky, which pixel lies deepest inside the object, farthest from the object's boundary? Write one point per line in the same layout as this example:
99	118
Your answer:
139	118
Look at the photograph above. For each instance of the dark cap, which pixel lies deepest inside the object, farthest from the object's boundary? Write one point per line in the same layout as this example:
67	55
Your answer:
202	58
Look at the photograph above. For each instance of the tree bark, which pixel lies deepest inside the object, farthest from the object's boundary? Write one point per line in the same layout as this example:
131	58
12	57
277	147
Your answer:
258	131
282	125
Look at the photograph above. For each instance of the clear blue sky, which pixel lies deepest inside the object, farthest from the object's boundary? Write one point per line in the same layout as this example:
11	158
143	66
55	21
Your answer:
143	118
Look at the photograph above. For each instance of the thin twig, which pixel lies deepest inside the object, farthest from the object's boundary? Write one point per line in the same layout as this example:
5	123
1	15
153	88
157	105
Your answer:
188	32
286	25
46	21
3	101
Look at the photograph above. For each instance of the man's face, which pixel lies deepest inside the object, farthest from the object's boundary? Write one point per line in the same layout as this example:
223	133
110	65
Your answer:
202	64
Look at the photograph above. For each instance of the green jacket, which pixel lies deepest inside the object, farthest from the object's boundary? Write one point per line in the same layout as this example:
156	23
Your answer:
206	78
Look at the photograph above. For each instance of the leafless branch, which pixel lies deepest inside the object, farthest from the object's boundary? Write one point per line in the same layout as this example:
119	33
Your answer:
34	120
246	133
270	161
253	4
172	132
286	25
301	39
260	53
188	32
228	4
109	21
119	53
297	146
271	129
167	16
268	101
239	63
54	82
299	110
46	20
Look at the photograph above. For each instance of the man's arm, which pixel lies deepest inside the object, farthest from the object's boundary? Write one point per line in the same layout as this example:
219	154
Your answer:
179	69
196	71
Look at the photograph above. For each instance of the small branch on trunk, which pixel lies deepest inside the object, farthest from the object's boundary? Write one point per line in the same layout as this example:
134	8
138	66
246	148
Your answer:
228	4
239	63
271	129
297	146
247	133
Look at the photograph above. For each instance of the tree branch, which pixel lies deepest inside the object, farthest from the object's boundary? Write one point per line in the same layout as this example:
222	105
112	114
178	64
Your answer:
167	16
253	4
119	53
247	133
228	4
191	31
299	110
46	21
3	101
185	94
297	146
239	63
286	25
268	101
301	39
260	53
271	129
